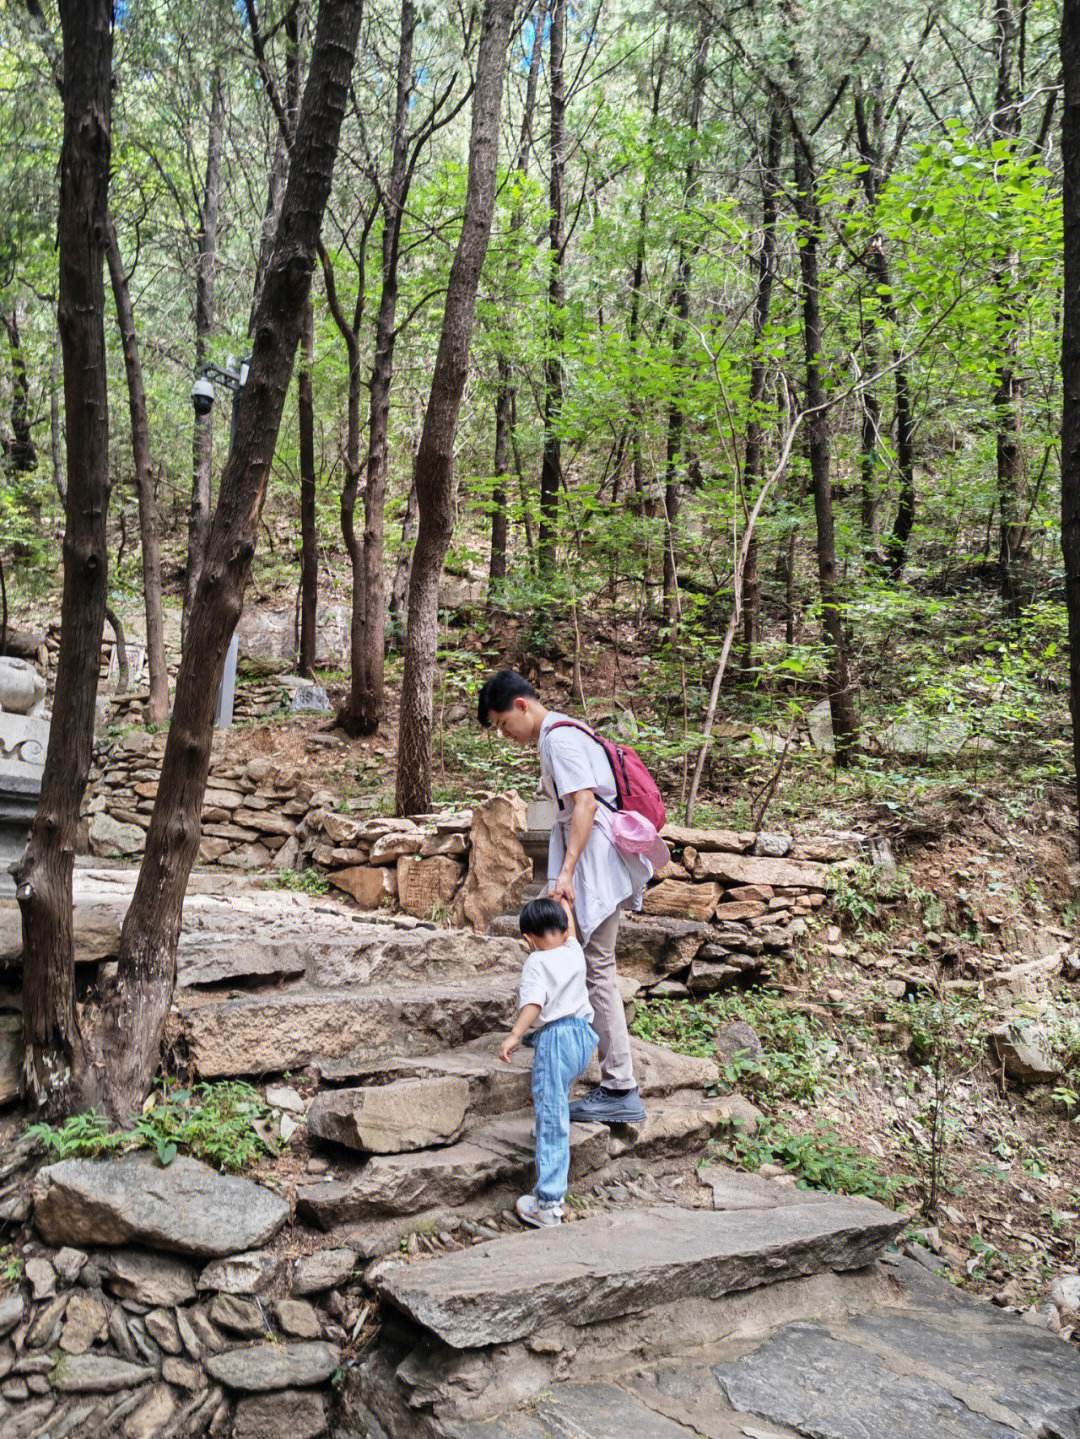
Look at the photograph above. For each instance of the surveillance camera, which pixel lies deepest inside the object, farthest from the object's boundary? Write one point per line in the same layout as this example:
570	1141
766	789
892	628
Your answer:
202	395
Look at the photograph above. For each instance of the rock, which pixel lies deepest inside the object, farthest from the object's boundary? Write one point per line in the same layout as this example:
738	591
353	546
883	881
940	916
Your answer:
389	848
392	1118
749	869
326	1269
728	913
241	1273
152	1415
775	846
186	1208
707	976
262	1367
371	886
499	866
69	1263
734	1189
11	1312
98	1374
184	1375
819	723
451	844
427	886
625	1262
650	946
151	1279
238	1313
283	1096
660	1071
669	989
1021	1058
85	1322
22	689
831	848
45	1326
737	1040
679	837
1065	1292
161	1326
290	1414
297	1318
112	840
924	738
197	1332
42	1277
680	899
310	697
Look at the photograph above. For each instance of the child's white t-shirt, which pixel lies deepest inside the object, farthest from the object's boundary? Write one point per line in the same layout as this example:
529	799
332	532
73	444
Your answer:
555	980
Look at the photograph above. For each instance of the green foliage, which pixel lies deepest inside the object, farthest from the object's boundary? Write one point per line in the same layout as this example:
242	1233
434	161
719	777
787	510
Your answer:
819	1159
11	1267
303	881
212	1122
798	1051
864	896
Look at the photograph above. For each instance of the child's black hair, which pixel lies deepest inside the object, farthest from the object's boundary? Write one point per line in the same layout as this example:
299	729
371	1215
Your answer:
499	692
543	916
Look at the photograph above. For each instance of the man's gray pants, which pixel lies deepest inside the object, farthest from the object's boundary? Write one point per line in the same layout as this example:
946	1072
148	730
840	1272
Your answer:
609	1013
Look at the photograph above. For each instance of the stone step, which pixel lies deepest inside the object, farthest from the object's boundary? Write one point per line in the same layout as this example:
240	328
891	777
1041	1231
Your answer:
498	1152
627	1262
496	1088
267	1033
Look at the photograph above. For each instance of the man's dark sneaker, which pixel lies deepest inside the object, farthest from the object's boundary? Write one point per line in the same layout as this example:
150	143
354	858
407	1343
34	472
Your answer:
608	1106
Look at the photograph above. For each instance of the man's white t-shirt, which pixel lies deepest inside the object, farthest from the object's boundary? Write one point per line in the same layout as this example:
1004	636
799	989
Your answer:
555	980
605	880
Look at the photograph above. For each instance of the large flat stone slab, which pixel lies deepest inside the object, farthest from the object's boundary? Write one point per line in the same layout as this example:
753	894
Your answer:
578	1411
268	1033
494	1087
749	869
735	1189
826	1388
186	1208
495	1153
617	1264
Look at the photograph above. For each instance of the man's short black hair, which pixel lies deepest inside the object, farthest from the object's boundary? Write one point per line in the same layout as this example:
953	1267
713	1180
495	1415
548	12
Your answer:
543	916
500	691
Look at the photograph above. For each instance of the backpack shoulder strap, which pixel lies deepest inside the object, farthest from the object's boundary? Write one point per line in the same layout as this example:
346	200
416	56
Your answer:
575	724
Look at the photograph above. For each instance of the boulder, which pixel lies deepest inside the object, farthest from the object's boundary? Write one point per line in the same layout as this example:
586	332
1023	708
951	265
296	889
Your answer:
737	1040
680	899
152	1279
628	1261
258	1368
288	1414
98	1374
499	867
371	886
750	869
392	1118
707	976
390	847
427	886
251	1273
1019	1053
112	840
186	1208
650	946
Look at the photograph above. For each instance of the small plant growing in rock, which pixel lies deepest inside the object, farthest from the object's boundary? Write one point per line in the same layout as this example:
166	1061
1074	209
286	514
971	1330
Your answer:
11	1267
83	1136
303	881
819	1160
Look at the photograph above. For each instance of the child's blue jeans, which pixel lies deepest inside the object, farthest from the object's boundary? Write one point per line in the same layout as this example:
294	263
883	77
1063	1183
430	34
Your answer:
561	1054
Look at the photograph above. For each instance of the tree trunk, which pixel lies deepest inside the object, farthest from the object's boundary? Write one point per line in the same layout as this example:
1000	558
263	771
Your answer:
752	462
123	668
504	400
135	1009
841	704
202	446
1005	124
1070	362
309	538
55	1072
399	590
56	438
434	468
680	304
157	706
551	465
368	689
22	453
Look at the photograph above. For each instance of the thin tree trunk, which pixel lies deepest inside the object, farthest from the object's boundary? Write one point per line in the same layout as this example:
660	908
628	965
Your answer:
123	667
841	704
399	591
504	400
134	1011
1070	363
680	304
551	465
309	539
23	453
368	688
752	461
434	468
56	438
202	443
55	1073
157	706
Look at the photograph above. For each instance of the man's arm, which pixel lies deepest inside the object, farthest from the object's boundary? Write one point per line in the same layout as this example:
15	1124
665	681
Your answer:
581	823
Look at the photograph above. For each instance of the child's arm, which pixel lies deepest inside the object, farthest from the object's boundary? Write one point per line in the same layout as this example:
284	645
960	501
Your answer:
527	1017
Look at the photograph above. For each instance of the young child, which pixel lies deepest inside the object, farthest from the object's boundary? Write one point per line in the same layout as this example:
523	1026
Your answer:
553	996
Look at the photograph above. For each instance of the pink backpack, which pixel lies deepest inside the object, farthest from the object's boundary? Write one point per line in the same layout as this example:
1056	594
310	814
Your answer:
635	788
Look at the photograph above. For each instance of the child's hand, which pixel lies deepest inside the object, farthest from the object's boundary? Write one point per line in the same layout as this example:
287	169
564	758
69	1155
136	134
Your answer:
507	1048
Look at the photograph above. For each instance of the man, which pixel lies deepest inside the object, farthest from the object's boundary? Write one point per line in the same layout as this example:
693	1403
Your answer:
584	869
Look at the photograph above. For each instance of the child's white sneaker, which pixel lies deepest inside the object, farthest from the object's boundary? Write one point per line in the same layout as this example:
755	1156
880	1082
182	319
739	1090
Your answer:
531	1210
